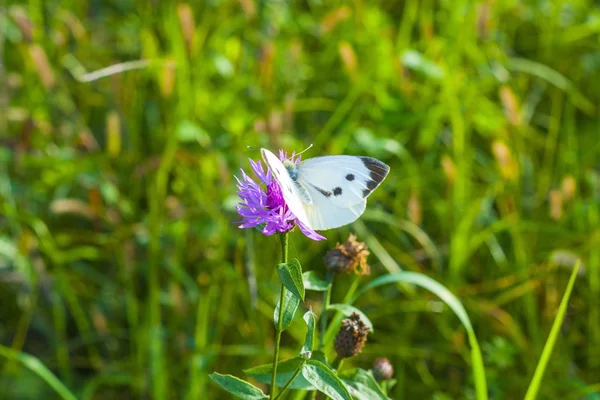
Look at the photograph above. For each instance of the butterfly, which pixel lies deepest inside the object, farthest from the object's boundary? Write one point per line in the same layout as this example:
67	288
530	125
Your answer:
327	192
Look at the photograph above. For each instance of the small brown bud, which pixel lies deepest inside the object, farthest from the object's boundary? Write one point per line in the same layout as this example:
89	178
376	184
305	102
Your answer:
383	369
349	258
352	337
449	168
556	204
569	187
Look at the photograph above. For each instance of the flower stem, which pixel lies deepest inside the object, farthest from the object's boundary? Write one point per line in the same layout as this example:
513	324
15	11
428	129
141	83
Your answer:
289	382
284	257
338	316
337	363
326	301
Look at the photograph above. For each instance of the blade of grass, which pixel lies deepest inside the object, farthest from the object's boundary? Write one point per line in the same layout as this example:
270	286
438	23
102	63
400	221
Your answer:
536	381
454	303
36	366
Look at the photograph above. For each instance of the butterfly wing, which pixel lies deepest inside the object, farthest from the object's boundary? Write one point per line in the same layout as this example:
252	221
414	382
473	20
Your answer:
323	214
344	180
291	191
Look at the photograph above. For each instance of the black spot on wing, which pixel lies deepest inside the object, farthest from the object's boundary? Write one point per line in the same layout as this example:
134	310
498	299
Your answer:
337	191
377	173
350	177
324	192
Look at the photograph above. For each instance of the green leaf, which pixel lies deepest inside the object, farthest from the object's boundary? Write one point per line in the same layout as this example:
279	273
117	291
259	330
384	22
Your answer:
309	318
37	367
324	379
455	305
414	60
290	275
312	281
318	355
285	370
290	306
364	383
188	131
238	387
534	387
362	392
347	310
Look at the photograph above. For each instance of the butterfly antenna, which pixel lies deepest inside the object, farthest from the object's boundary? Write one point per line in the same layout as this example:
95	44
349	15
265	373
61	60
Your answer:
252	148
306	149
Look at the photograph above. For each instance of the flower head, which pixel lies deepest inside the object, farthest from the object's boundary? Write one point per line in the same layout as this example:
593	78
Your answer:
349	258
352	337
383	369
262	204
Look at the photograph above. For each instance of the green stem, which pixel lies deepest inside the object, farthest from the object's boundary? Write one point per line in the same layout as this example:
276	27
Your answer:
326	301
337	363
284	257
289	382
338	316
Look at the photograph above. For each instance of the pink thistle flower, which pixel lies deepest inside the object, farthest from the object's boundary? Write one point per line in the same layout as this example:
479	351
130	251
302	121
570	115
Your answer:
262	204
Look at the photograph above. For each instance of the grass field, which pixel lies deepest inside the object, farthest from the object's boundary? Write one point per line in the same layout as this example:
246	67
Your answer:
123	274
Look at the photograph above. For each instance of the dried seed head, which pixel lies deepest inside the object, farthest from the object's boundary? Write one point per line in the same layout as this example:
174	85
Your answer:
349	258
569	187
352	337
556	204
383	369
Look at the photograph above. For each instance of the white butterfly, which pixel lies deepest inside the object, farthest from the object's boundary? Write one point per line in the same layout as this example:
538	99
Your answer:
327	192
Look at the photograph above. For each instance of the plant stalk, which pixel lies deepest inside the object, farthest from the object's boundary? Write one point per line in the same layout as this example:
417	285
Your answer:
284	259
326	301
289	382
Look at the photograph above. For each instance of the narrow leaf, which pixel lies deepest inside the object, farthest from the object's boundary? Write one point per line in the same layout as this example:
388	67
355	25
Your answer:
325	380
290	306
285	370
238	387
290	275
534	387
309	318
455	305
364	382
347	310
414	60
312	281
37	367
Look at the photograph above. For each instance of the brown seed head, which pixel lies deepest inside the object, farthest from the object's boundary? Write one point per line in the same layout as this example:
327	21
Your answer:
383	369
352	337
349	258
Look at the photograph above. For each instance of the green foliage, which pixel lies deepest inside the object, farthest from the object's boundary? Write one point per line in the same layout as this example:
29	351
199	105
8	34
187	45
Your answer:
285	370
122	124
238	387
34	364
312	281
290	305
310	319
291	277
325	380
534	387
455	305
362	385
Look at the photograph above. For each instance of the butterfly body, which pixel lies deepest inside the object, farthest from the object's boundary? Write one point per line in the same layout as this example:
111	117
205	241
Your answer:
327	192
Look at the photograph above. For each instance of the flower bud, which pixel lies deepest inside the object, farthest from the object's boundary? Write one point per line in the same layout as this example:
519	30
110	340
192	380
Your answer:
349	258
382	369
352	337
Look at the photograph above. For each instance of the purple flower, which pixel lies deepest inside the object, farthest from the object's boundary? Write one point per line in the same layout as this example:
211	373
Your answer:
263	203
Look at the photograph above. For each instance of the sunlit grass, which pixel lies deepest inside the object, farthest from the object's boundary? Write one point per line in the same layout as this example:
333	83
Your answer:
119	252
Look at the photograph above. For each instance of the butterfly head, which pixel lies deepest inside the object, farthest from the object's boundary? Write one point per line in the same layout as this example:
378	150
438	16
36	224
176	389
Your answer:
291	169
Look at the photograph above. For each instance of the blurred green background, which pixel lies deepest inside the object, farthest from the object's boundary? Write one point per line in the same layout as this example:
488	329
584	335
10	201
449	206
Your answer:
121	267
